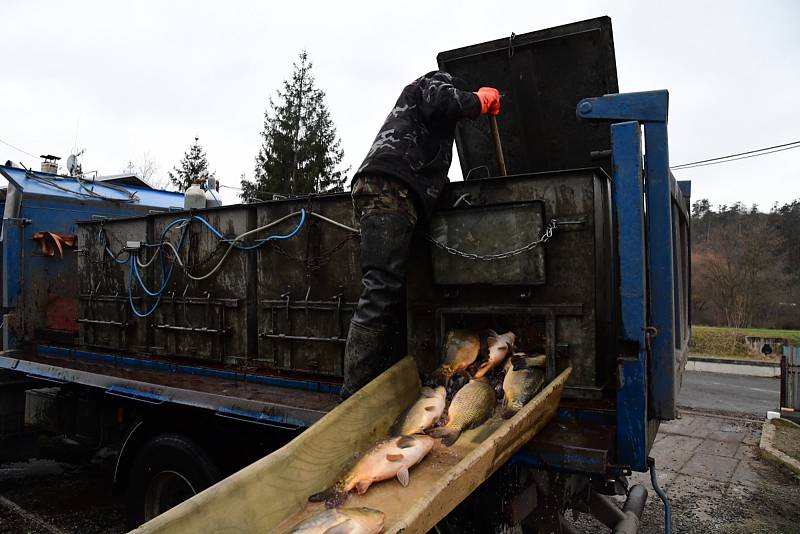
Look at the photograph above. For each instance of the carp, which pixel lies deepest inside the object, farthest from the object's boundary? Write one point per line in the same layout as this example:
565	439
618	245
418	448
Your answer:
524	378
388	459
359	520
524	360
461	349
423	414
499	345
470	407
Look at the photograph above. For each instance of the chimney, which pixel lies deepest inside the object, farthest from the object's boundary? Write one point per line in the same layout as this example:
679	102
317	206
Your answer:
50	163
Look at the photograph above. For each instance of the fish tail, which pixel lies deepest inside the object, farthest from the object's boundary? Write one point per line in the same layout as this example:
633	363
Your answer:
333	497
447	434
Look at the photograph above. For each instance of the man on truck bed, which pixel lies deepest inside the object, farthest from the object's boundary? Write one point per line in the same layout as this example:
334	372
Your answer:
398	182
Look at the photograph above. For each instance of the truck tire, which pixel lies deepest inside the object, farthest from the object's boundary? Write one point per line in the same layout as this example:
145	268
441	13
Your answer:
169	469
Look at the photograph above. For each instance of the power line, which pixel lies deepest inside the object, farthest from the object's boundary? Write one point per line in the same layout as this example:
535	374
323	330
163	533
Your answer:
738	156
17	148
735	159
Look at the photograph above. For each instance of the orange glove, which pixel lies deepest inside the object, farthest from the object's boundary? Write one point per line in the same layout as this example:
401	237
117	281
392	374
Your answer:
490	100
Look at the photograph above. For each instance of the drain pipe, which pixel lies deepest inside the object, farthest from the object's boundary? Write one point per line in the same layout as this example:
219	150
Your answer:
651	462
13	201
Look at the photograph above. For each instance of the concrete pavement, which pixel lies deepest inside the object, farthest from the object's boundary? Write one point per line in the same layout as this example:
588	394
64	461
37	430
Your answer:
711	470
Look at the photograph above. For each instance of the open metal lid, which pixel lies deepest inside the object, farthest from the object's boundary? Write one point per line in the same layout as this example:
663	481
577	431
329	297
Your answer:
542	76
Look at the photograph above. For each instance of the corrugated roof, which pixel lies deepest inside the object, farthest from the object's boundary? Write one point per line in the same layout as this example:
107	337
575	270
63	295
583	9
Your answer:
53	185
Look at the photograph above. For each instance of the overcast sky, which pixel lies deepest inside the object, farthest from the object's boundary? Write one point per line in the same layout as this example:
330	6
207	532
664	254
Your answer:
125	79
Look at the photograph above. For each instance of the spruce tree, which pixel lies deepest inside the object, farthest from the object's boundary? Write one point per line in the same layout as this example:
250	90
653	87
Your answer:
193	168
300	150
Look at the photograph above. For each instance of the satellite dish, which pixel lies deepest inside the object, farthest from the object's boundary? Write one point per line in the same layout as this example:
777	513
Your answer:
72	164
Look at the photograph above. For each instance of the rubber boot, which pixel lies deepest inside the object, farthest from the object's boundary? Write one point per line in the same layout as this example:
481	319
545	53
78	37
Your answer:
367	354
375	341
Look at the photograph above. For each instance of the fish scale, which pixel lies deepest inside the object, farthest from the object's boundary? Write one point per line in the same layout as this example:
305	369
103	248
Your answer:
471	406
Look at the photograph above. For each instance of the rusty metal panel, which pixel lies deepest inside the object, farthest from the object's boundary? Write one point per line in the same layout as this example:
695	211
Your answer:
570	316
484	231
308	287
104	314
205	319
286	307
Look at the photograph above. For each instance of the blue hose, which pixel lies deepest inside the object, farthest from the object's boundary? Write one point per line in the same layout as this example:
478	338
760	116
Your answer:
259	242
134	268
164	280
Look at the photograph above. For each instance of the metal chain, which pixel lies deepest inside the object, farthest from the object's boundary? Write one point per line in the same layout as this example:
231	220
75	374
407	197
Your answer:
317	262
548	233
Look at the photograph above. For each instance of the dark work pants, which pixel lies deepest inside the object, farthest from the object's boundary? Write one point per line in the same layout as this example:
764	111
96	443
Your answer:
376	337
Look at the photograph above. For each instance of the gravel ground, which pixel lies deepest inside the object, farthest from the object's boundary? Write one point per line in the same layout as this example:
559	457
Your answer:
716	481
70	494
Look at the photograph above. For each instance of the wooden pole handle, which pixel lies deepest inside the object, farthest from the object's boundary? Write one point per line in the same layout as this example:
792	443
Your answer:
498	147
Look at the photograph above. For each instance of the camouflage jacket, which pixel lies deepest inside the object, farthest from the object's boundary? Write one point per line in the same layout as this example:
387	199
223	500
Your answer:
415	144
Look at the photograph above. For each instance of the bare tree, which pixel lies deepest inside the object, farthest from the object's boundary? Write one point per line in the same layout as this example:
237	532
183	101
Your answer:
740	271
146	169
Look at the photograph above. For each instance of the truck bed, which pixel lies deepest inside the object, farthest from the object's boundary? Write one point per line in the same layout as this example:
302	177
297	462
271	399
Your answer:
271	494
255	398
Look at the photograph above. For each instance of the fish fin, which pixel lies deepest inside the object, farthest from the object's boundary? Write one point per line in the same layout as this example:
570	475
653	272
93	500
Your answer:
441	376
333	497
519	362
394	457
363	486
448	435
406	442
403	476
483	369
427	392
430	408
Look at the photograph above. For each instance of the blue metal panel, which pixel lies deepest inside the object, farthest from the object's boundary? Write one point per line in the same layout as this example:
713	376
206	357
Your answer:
13	273
651	108
12	262
70	188
631	430
660	266
647	106
261	418
142	363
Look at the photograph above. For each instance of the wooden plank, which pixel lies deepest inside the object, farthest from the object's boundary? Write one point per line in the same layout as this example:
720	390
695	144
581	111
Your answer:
270	495
260	496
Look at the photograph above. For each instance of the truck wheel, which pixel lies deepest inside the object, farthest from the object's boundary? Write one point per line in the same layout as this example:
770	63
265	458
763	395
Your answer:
169	469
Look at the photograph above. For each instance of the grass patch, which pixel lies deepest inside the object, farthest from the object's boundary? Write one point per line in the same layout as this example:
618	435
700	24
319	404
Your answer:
787	438
729	342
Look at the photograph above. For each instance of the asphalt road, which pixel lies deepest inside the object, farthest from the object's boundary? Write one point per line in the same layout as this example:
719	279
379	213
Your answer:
729	393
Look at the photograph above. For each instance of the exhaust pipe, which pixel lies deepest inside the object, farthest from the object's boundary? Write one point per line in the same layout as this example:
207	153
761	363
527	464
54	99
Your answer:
624	521
634	505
